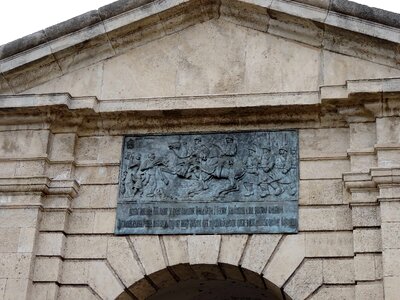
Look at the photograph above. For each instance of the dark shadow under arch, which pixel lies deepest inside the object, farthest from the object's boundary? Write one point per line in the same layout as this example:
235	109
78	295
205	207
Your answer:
203	281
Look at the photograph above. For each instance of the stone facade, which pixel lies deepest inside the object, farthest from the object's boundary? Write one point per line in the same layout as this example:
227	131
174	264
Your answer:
70	94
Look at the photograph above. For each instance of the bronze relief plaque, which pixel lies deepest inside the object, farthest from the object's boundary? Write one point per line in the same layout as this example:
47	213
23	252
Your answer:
209	183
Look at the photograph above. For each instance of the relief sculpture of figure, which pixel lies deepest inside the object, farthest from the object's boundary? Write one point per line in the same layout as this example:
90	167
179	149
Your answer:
252	175
153	175
276	170
133	178
291	166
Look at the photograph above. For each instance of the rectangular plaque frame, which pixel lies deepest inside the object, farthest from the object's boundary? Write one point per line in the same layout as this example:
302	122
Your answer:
209	183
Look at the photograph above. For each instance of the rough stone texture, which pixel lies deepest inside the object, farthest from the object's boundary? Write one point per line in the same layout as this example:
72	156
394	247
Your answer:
81	246
367	267
365	216
367	240
369	291
337	271
290	254
333	218
176	248
232	247
323	142
78	292
321	192
120	255
203	249
306	280
323	169
333	293
392	287
321	244
149	250
95	196
51	244
258	251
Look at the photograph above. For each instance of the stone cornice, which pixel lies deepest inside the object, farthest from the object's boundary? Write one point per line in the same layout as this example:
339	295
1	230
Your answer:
356	99
42	185
110	28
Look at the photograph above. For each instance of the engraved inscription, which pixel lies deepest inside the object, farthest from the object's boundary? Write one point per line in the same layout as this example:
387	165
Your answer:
209	183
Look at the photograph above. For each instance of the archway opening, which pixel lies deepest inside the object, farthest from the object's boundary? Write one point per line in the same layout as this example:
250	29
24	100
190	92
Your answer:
203	282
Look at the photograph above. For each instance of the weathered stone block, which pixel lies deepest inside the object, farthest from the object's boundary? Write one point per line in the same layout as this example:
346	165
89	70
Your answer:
76	292
362	136
391	262
386	136
330	142
45	291
15	265
75	272
81	221
369	291
258	251
62	147
96	196
367	240
176	248
306	280
366	216
51	244
364	267
54	221
27	239
120	255
388	158
323	244
323	169
392	288
97	175
363	163
104	221
102	280
47	269
391	235
17	289
9	239
390	211
203	249
232	247
99	149
30	168
285	261
332	218
338	271
23	144
81	246
15	218
150	254
334	293
321	192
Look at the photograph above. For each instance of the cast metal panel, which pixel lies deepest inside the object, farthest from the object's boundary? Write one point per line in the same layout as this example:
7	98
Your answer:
209	183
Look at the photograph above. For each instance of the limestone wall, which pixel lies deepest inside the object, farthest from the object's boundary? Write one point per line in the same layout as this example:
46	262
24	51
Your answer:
58	204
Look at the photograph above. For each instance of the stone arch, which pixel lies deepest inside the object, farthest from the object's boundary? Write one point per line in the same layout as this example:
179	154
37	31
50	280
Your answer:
203	281
273	262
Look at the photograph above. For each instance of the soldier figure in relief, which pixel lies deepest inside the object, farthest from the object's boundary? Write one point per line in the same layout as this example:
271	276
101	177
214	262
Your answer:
133	177
251	176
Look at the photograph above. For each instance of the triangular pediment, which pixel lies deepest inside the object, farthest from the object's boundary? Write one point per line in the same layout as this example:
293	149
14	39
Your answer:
172	48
